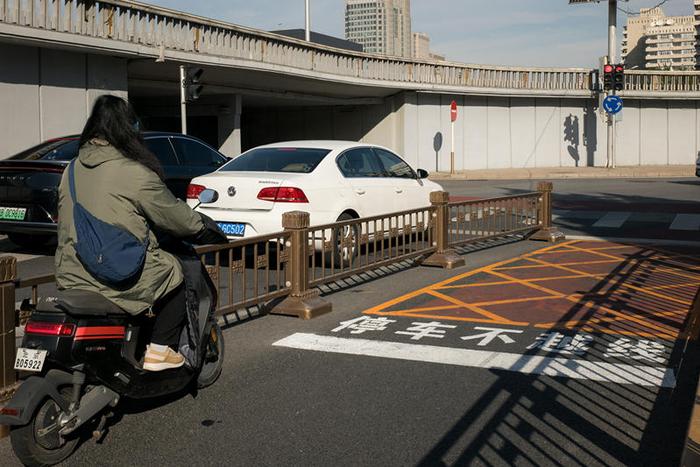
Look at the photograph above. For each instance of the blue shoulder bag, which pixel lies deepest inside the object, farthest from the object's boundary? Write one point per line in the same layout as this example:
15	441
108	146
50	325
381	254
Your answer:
110	254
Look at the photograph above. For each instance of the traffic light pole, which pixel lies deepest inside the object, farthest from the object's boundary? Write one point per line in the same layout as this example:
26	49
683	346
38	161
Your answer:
183	99
612	25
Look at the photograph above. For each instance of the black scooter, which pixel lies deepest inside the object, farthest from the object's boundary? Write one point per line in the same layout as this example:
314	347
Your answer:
87	355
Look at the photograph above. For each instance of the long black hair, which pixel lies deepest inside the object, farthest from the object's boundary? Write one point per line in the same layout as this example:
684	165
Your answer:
114	120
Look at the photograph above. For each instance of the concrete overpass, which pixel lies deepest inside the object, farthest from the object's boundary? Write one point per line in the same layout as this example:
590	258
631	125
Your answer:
56	56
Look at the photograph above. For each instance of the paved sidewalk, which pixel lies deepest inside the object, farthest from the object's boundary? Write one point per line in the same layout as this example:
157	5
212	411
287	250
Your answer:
660	171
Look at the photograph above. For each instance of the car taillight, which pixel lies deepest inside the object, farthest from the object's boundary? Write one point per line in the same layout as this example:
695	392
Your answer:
283	194
49	329
193	190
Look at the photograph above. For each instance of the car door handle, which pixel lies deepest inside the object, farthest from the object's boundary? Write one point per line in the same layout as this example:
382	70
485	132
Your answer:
360	192
398	190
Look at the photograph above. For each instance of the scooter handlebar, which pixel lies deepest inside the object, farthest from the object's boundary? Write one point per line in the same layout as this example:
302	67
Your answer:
211	233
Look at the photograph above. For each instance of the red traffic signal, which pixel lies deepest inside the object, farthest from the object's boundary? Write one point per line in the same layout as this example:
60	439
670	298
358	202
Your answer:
613	77
619	78
608	71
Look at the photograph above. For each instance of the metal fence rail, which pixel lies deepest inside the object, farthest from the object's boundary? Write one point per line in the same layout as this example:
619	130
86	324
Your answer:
151	30
346	248
281	271
248	272
471	221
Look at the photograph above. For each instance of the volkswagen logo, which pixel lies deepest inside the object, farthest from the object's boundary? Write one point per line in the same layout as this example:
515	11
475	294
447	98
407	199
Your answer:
232	191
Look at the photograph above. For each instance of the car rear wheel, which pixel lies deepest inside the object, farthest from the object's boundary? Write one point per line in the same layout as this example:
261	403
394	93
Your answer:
30	241
346	243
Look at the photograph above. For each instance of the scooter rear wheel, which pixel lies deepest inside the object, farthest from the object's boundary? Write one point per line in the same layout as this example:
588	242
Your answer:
213	359
38	442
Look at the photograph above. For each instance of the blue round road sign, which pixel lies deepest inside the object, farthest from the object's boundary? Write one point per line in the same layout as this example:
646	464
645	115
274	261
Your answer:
612	104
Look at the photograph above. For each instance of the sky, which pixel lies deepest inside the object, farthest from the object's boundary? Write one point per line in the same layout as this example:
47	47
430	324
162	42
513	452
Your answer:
496	32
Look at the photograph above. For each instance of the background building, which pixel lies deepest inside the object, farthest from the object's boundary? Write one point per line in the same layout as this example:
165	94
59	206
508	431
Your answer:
322	39
697	34
380	26
421	47
653	40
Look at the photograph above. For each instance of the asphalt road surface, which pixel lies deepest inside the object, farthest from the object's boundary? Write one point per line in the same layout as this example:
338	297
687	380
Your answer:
348	388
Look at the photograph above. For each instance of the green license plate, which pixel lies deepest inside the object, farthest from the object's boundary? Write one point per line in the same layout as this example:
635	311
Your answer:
13	214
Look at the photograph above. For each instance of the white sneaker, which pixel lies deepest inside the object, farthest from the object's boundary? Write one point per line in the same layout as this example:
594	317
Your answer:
155	360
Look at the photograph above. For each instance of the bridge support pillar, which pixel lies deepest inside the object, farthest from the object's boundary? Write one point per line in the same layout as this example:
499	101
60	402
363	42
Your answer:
229	115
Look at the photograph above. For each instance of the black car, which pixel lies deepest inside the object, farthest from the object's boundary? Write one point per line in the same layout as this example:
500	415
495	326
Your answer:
29	180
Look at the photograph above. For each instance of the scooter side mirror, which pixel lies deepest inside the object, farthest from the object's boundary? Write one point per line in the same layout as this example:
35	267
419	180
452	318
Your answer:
208	196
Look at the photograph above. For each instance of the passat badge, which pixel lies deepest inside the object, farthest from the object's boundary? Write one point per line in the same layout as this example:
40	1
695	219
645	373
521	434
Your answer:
232	191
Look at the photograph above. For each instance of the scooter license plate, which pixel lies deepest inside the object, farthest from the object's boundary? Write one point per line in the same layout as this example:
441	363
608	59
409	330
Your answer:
30	359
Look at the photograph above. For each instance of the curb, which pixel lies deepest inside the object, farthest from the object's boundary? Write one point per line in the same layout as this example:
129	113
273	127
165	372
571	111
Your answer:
685	171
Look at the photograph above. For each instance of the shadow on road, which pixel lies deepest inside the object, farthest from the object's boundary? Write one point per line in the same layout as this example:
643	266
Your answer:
559	421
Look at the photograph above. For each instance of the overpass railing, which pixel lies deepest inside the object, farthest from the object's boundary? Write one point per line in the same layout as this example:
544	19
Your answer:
156	31
281	272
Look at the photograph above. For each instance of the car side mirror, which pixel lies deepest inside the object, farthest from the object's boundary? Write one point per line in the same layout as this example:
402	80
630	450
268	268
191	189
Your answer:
422	173
208	196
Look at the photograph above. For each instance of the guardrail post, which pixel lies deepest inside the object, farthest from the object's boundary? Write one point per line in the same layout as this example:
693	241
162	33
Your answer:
547	232
8	376
301	302
443	257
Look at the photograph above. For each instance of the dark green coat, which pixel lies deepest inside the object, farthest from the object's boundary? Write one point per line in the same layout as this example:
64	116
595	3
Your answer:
126	194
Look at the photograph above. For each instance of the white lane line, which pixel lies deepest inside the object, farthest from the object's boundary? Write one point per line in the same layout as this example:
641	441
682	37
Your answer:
529	364
613	219
686	222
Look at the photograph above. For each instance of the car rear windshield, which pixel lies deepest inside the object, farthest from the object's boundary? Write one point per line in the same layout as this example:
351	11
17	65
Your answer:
295	160
59	150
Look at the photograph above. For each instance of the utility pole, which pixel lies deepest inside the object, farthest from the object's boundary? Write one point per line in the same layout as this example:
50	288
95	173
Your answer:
307	21
609	61
183	99
612	26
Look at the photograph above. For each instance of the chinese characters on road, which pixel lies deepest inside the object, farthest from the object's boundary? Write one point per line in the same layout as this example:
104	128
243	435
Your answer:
554	342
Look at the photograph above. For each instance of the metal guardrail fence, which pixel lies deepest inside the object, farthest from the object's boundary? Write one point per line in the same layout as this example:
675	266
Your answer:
154	29
280	271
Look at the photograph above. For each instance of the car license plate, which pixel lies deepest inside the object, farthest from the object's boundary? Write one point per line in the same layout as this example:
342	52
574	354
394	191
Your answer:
13	214
234	229
30	359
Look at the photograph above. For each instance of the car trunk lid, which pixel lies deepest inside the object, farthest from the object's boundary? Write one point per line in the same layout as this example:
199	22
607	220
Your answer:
31	185
238	191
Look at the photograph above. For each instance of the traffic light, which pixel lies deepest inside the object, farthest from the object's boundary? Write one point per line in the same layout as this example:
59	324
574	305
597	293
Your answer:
608	77
191	84
619	78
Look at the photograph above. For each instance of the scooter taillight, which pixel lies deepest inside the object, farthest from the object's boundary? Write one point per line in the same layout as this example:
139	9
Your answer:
50	329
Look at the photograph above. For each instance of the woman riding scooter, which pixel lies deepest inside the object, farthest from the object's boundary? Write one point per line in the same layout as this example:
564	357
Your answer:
119	182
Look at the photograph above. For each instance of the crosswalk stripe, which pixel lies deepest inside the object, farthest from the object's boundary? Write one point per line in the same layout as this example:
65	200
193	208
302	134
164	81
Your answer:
613	219
686	222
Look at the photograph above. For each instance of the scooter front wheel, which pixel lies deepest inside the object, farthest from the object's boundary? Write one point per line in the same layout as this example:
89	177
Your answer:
38	442
213	358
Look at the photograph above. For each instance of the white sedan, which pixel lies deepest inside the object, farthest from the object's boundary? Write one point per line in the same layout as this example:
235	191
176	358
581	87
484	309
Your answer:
332	180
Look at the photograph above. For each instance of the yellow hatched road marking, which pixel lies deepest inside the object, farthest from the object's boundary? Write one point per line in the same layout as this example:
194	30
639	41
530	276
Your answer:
440	284
494	317
497	270
627	286
576	263
596	306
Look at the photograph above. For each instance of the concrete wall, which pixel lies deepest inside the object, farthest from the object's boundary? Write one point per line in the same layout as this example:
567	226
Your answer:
502	132
48	93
